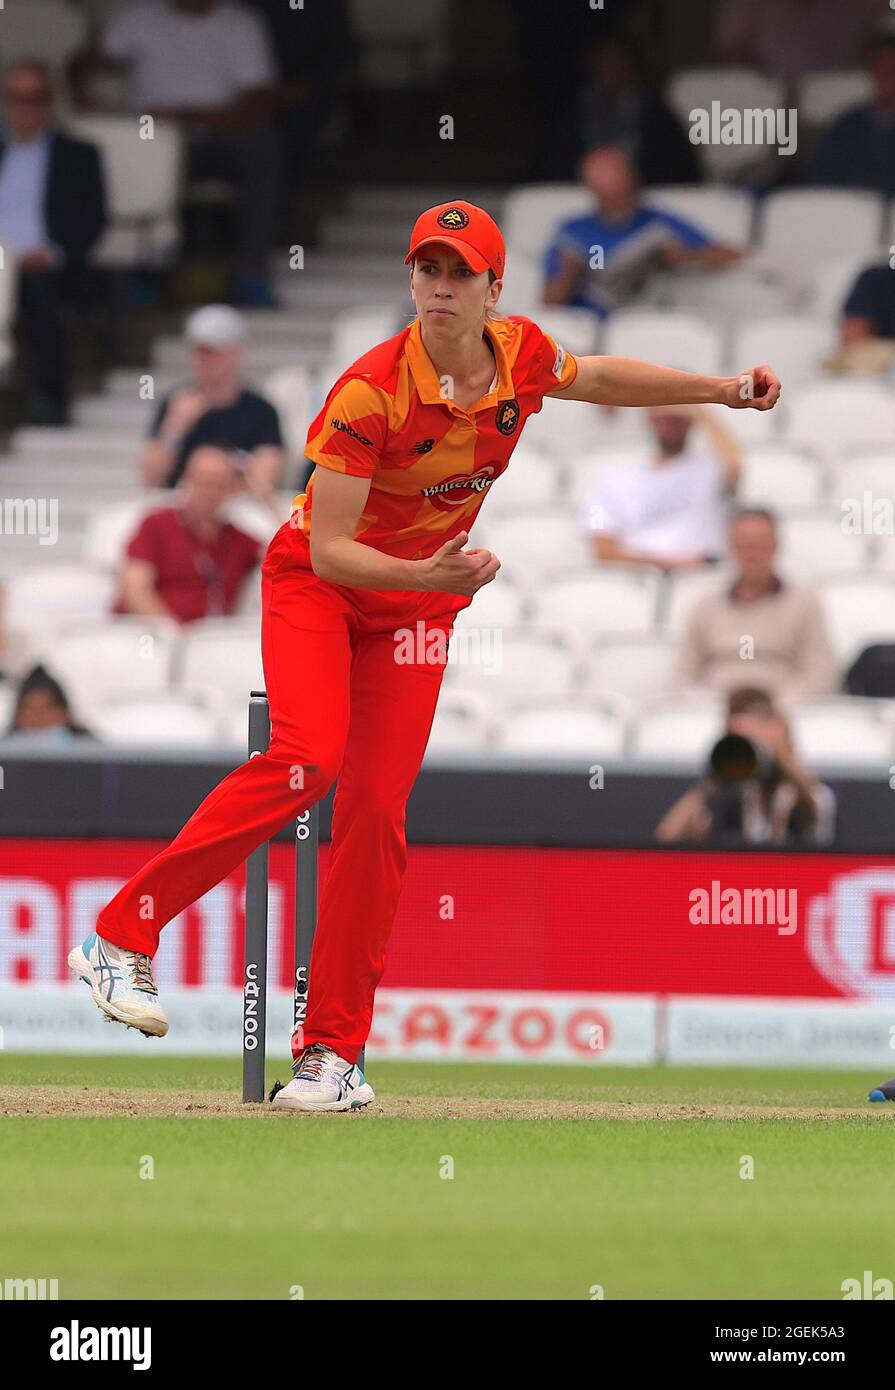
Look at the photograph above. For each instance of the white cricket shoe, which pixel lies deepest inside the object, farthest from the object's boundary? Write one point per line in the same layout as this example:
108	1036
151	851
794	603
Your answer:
323	1080
121	984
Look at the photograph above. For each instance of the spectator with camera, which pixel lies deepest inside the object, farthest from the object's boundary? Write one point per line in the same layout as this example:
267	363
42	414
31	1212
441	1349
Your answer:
755	788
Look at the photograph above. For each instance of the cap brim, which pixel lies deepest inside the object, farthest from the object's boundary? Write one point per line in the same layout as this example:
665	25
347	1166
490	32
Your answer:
473	258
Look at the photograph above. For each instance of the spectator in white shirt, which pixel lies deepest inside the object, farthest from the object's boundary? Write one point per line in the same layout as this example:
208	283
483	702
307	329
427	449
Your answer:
670	511
207	64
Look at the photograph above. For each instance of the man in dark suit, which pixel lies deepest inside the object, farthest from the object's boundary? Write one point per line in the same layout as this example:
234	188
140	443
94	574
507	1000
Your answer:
52	211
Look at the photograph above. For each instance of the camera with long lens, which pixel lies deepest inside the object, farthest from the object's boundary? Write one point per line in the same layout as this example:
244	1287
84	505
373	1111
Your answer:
738	770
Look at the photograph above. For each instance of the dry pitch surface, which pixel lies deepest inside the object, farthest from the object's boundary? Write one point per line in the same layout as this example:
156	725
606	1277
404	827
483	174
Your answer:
67	1100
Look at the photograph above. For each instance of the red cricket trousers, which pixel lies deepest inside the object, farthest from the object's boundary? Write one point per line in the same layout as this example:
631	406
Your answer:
342	704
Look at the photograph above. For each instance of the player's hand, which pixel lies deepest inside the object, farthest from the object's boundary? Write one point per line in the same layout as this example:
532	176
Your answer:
186	407
757	389
453	570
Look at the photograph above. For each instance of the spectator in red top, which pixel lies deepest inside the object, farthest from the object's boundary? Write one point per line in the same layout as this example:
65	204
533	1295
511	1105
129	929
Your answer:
187	562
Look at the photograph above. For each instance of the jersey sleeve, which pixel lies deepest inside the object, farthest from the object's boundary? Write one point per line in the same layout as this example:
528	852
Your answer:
554	368
349	434
144	543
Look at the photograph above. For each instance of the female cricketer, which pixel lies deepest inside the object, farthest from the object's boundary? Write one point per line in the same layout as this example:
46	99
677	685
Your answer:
409	442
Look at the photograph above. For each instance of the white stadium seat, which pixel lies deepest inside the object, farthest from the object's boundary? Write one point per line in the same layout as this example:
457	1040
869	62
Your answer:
533	213
837	416
582	603
816	544
683	731
123	655
827	284
800	226
143	184
573	329
692	89
725	214
49	598
356	331
671	338
109	528
683	590
589	729
291	390
221	656
530	541
780	477
7	704
586	469
860	612
561	428
637	668
532	479
822	96
523	287
871	470
528	666
462	723
500	604
794	346
161	721
848	733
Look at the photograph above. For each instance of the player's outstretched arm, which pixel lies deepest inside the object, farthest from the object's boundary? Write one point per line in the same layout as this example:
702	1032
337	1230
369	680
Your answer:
626	381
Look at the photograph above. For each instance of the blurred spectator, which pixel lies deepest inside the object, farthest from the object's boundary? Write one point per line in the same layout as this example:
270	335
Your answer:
617	107
629	239
858	149
215	406
789	38
775	626
52	211
867	329
42	711
670	512
869	310
186	561
755	788
208	65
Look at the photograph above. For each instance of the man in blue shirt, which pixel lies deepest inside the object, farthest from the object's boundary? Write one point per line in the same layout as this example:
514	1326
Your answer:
52	211
602	261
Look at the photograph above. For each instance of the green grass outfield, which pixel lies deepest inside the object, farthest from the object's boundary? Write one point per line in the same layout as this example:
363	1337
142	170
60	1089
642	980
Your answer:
352	1206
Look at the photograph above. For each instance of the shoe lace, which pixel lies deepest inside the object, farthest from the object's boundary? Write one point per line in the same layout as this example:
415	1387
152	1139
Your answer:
310	1064
141	973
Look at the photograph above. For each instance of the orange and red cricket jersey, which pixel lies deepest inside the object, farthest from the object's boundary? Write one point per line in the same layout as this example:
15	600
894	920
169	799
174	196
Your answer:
389	418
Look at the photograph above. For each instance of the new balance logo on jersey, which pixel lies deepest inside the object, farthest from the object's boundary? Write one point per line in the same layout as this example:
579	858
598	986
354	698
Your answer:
338	424
422	446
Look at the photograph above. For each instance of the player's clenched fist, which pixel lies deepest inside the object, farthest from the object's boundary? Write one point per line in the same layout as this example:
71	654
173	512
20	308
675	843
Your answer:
757	389
453	570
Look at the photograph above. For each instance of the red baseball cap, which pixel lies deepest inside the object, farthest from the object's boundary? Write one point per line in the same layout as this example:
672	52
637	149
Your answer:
470	230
